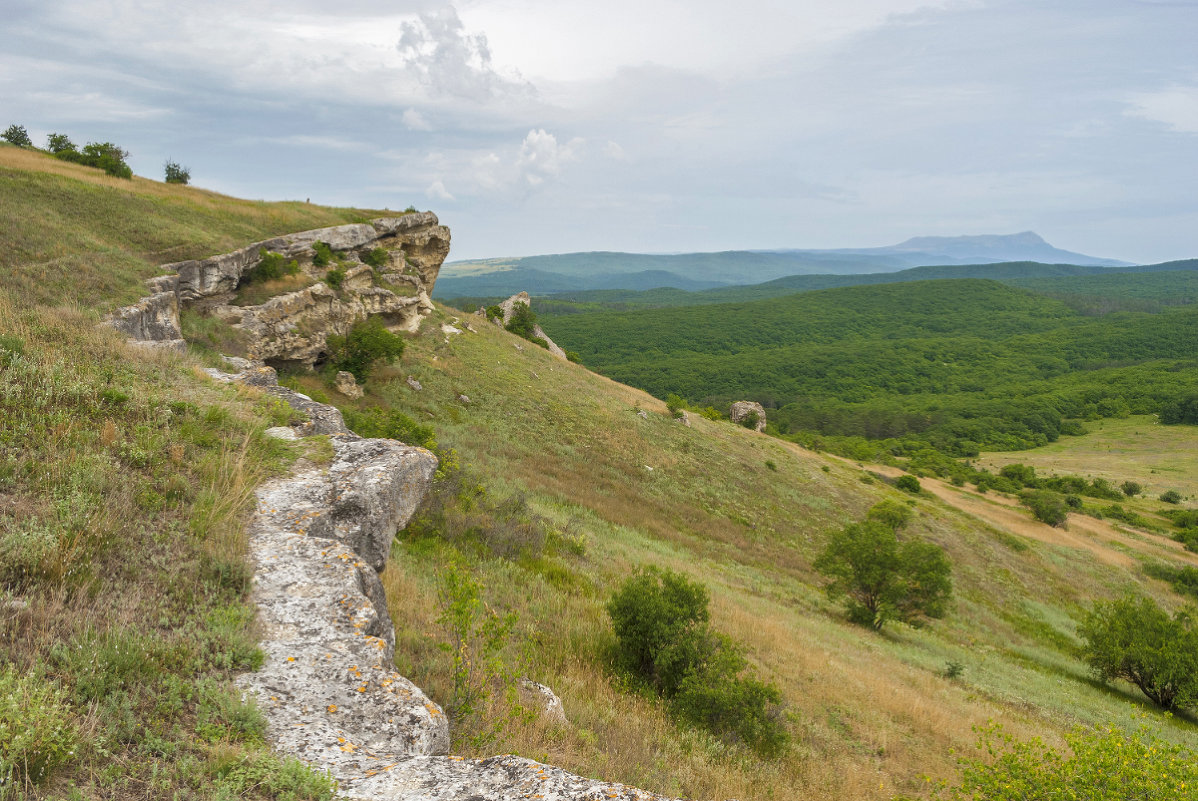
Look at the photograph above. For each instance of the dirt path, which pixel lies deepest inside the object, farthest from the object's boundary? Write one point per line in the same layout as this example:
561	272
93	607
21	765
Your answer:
1108	544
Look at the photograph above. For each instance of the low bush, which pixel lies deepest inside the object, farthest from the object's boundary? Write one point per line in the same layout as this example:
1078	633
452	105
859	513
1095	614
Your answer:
660	620
366	345
322	254
908	483
1047	506
37	729
1100	765
271	267
389	424
335	277
1171	496
377	257
176	173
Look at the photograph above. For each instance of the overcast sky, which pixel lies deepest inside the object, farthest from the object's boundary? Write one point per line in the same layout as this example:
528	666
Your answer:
533	126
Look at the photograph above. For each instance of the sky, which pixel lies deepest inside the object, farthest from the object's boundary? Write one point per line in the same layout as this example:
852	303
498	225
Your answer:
537	127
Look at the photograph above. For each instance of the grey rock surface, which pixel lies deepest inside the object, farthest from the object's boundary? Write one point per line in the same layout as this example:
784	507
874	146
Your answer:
328	686
538	696
741	410
509	305
321	418
152	319
347	385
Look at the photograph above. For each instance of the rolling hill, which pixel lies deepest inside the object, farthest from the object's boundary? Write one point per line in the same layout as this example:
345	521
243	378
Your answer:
126	477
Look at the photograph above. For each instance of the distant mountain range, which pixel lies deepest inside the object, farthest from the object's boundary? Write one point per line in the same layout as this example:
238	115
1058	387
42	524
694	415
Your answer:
570	272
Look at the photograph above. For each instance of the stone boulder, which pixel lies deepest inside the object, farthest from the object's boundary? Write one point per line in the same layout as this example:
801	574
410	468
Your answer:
535	695
742	411
347	385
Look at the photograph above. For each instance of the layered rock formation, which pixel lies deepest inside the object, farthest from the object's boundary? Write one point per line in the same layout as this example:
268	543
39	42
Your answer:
509	308
327	686
294	327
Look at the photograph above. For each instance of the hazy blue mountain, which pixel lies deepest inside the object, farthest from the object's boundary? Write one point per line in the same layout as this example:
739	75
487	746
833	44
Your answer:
603	270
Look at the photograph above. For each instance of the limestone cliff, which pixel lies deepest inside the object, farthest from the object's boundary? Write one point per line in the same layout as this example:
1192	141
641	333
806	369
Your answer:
293	328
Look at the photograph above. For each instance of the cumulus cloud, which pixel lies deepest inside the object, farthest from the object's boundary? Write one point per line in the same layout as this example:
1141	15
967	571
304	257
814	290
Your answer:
437	191
451	62
542	157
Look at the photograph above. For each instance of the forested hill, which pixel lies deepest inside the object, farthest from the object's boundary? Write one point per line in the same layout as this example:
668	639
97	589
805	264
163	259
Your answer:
1170	283
917	358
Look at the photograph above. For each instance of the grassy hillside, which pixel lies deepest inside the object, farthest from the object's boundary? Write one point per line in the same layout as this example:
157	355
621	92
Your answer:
872	714
70	234
124	477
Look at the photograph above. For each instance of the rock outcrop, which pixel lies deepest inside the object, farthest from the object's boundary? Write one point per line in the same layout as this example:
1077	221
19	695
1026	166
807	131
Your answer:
347	385
327	685
293	328
743	411
509	308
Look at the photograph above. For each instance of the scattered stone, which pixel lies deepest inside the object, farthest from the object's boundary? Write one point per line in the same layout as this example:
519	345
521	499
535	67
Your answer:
519	347
641	413
414	384
282	432
463	398
539	697
448	329
347	385
684	418
741	410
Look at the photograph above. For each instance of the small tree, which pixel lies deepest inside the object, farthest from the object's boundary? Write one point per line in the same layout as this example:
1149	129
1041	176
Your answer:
176	174
1131	488
1171	496
17	135
1135	640
1047	506
59	143
881	578
908	483
367	344
523	321
655	615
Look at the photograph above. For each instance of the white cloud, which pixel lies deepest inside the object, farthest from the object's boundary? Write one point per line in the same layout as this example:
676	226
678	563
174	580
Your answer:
1176	107
437	191
613	151
450	61
542	157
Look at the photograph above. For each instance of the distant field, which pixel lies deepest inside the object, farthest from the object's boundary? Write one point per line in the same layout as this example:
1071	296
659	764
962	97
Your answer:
1136	448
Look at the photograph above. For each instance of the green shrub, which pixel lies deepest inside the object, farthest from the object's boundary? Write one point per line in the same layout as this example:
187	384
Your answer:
377	257
661	623
572	356
271	267
376	422
17	135
322	254
908	483
1135	640
37	730
367	344
711	413
1100	765
264	774
495	313
1131	488
104	155
655	614
1047	506
750	421
675	404
335	277
176	174
523	321
411	210
1171	496
881	578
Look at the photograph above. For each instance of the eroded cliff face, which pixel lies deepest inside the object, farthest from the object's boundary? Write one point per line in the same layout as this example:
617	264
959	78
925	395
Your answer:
293	328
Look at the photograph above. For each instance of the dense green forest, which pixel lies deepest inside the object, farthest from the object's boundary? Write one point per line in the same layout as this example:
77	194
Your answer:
955	364
1088	289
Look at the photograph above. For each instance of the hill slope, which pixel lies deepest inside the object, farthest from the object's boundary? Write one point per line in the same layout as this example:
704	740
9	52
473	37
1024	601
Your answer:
125	476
